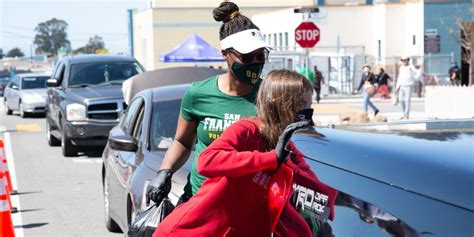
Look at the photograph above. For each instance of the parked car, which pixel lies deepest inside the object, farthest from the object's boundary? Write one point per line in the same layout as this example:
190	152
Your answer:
26	93
85	100
391	184
3	83
138	143
400	183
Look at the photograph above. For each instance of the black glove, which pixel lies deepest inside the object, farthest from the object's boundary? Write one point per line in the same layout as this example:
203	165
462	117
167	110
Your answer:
159	187
282	154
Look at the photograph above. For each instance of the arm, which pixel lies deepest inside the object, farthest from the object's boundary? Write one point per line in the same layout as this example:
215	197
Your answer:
179	151
229	155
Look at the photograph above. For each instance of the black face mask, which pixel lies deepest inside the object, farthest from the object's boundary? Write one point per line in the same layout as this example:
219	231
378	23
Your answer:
306	114
249	73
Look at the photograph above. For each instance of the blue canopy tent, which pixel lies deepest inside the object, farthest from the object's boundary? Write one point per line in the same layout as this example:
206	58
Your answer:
194	49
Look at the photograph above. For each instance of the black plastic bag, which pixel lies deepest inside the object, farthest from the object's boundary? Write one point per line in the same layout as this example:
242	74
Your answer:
145	223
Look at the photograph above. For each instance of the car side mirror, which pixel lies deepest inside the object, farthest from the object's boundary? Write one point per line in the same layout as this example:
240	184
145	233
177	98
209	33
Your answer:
14	87
123	143
51	82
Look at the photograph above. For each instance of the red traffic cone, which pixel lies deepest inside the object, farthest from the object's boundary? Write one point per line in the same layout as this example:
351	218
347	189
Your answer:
5	169
6	224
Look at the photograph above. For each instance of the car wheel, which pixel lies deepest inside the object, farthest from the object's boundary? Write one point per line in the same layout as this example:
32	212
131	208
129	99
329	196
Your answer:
52	140
8	111
22	111
68	149
110	224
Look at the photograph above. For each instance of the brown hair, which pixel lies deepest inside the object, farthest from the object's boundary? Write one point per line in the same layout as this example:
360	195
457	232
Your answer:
233	20
279	100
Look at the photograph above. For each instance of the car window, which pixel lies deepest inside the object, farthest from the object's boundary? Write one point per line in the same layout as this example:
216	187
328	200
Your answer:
14	81
130	114
163	124
59	69
102	72
137	127
34	82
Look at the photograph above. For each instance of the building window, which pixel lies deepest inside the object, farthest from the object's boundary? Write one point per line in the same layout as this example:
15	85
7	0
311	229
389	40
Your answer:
286	40
414	40
269	39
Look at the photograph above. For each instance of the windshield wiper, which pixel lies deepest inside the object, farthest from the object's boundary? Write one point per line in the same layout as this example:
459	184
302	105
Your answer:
79	85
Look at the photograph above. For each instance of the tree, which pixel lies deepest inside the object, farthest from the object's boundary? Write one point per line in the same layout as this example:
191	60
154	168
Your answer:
461	32
15	52
1	53
51	35
95	45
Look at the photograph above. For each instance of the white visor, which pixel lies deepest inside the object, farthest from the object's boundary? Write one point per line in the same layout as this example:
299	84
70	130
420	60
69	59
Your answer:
245	41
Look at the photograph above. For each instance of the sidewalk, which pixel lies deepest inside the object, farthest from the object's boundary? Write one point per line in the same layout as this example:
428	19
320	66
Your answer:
329	109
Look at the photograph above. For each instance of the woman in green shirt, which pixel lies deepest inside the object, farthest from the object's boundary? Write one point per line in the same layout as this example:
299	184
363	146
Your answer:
210	106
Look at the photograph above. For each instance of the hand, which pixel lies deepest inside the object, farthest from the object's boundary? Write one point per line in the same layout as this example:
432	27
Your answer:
282	154
159	187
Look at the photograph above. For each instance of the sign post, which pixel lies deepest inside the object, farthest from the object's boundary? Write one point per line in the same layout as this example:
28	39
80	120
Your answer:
307	35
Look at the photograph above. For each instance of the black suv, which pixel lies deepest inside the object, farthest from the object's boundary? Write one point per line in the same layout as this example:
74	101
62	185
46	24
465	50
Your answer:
85	100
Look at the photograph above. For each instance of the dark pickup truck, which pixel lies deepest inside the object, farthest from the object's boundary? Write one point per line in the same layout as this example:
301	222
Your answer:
85	100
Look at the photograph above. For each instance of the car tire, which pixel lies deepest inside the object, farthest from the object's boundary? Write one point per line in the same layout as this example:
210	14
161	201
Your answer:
8	111
23	114
52	140
110	224
68	149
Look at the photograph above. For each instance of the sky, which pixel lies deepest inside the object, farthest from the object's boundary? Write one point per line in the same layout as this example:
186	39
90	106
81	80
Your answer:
86	18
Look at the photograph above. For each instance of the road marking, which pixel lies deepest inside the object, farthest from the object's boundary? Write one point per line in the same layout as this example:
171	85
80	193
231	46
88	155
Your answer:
16	217
34	127
80	160
86	161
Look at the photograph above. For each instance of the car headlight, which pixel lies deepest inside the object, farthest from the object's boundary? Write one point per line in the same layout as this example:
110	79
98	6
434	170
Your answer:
75	112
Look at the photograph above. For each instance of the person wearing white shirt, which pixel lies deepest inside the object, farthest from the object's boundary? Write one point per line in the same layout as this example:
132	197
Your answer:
408	74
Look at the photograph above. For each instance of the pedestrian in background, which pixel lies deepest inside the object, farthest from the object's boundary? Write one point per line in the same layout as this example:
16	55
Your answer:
406	79
318	80
208	107
368	83
383	79
419	81
454	77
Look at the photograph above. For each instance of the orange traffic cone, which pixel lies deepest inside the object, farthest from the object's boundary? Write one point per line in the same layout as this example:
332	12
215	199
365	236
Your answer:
5	167
6	224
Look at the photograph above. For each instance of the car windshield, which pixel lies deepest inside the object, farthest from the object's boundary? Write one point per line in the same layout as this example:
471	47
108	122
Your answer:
102	73
163	124
34	82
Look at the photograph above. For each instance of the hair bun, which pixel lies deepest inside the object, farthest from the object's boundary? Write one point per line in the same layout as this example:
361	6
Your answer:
225	12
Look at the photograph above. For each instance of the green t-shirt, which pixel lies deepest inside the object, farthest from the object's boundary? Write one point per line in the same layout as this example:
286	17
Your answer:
311	75
214	111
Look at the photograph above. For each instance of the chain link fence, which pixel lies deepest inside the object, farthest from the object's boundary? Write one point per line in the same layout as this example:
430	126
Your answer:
342	72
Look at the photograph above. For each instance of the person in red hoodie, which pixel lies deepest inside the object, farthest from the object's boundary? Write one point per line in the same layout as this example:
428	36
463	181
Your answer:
239	165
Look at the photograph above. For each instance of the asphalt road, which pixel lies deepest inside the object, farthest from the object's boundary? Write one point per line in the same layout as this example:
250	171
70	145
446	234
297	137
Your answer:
58	196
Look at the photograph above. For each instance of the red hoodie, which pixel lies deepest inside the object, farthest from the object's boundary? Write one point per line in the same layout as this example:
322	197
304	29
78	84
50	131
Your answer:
232	201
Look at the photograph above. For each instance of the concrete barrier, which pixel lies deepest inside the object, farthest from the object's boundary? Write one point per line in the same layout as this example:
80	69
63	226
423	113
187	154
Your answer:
449	102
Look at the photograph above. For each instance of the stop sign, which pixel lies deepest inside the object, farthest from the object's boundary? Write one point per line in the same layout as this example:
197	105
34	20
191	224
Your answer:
307	34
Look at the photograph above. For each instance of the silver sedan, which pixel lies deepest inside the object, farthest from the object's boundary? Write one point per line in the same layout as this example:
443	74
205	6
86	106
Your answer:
26	93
